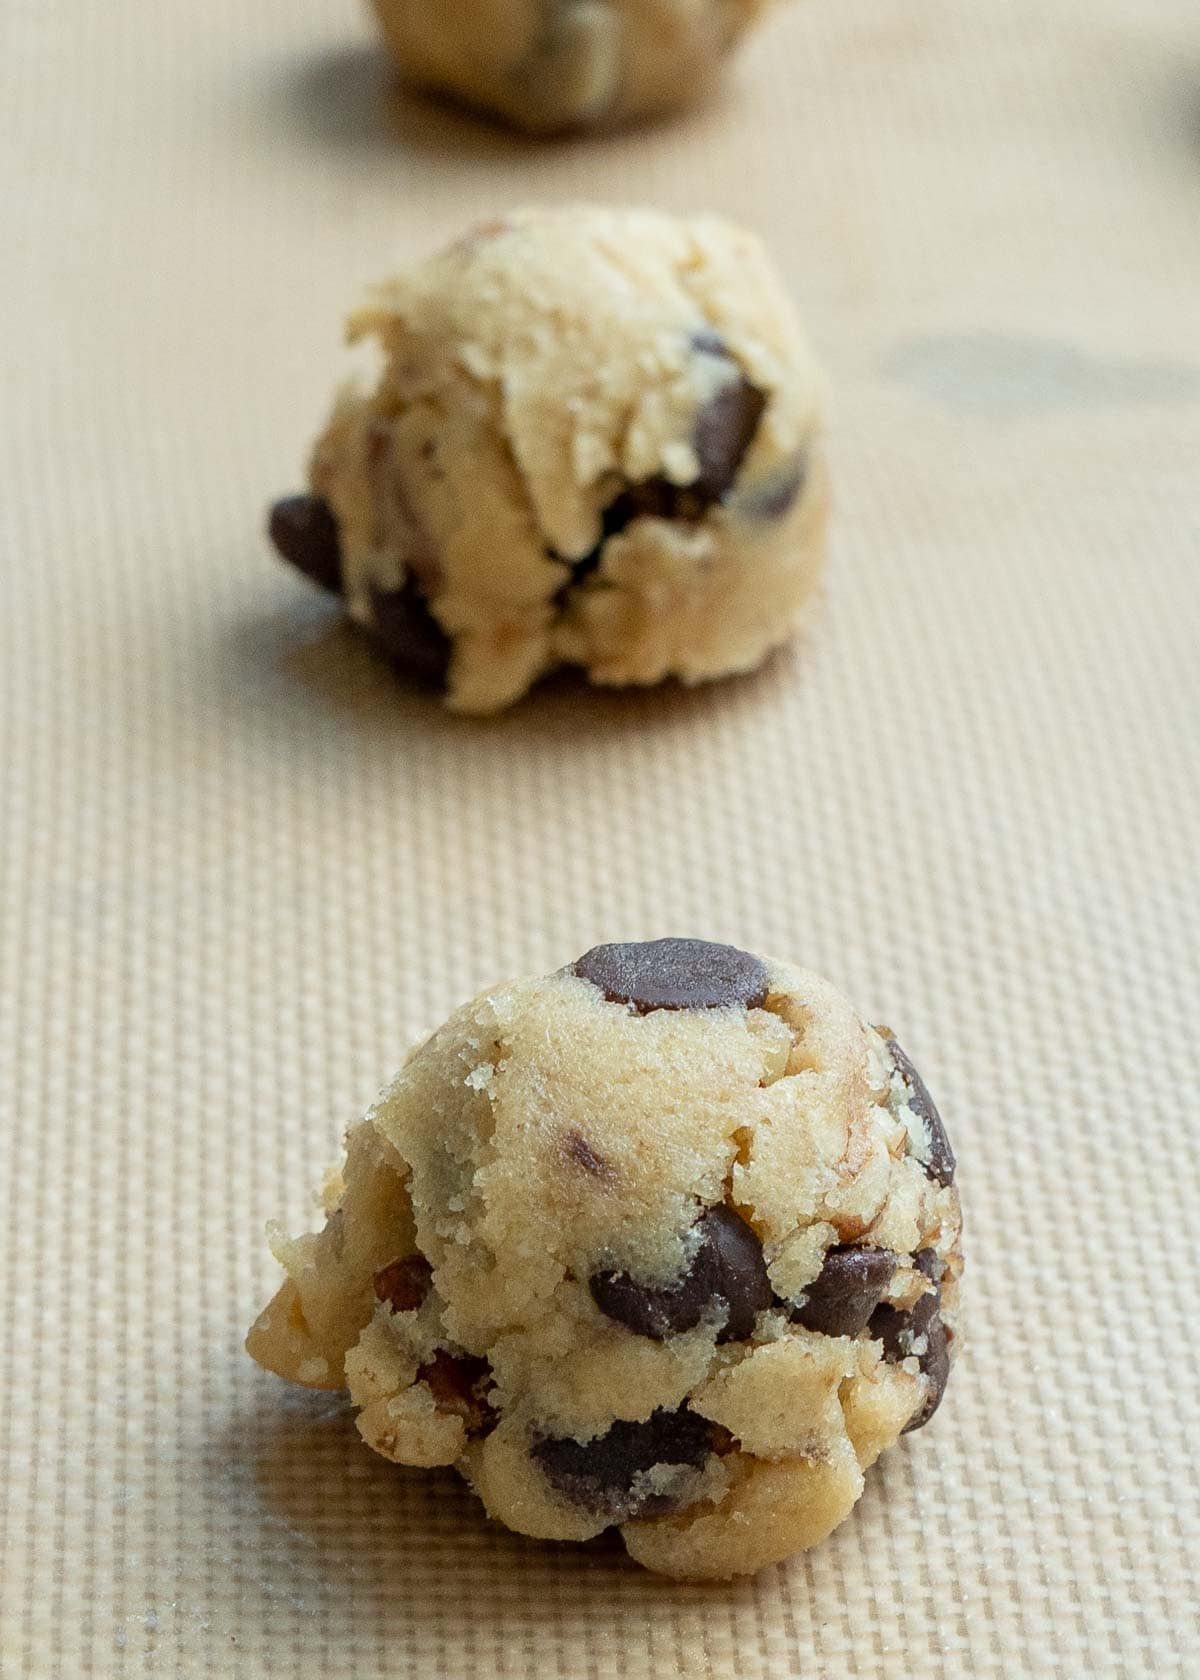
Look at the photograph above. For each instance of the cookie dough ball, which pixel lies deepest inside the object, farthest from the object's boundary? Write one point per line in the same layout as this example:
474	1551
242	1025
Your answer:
668	1240
555	65
595	441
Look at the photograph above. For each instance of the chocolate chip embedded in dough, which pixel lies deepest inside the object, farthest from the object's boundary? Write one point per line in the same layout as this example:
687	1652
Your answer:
727	1274
709	342
675	974
305	534
409	635
840	1301
919	1331
600	1474
404	1284
938	1159
580	1153
459	1384
650	498
733	1258
724	431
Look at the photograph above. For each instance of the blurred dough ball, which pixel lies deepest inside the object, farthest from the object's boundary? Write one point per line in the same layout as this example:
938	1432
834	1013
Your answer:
553	65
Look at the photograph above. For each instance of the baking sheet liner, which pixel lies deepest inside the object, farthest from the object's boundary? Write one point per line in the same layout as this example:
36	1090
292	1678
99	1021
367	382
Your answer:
239	869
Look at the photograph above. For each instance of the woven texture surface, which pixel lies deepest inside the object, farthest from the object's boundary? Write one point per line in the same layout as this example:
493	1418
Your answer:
239	869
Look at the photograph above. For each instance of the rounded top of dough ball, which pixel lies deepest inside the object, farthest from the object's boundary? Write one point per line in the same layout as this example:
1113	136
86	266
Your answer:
646	1081
620	344
550	66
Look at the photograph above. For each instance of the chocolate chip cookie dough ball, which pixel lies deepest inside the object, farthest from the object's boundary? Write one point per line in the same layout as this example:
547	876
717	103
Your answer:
555	65
595	441
668	1240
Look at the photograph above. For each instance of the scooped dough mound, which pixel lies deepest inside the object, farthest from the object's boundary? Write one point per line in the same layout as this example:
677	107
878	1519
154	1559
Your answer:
595	441
667	1240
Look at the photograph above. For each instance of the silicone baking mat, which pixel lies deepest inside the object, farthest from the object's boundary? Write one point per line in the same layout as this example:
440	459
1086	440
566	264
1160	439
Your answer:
240	869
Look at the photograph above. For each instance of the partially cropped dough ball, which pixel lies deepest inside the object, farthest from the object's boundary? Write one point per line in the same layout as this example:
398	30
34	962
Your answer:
555	65
668	1240
595	441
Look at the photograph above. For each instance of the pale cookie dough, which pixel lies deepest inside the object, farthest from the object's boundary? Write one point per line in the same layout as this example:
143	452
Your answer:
595	441
668	1240
554	65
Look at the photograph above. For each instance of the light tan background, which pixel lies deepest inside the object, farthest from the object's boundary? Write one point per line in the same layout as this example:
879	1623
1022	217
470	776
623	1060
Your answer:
239	868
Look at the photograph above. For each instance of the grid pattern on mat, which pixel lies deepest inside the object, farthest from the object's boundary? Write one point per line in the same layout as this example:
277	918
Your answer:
238	871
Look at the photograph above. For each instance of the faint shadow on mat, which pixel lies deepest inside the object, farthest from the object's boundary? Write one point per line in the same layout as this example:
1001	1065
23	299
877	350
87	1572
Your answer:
355	98
325	1523
1008	376
305	656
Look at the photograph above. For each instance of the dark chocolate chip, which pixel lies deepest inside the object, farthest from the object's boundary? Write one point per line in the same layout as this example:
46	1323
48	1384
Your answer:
723	432
725	429
708	341
726	425
938	1159
600	1474
404	1284
459	1383
898	1331
841	1300
654	498
732	1258
580	1151
728	1273
305	533
675	974
409	635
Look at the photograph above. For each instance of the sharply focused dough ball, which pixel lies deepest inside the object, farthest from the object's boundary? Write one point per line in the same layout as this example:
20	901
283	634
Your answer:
667	1240
554	65
595	442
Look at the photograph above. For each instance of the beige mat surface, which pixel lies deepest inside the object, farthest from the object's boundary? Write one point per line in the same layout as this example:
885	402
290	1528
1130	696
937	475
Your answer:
239	869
